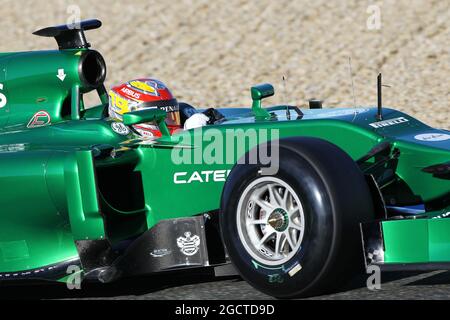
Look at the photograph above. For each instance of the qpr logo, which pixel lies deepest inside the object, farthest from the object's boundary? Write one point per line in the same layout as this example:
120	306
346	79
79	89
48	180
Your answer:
189	244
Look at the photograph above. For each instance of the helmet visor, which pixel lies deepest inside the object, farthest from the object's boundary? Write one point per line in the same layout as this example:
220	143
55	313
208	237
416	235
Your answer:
170	106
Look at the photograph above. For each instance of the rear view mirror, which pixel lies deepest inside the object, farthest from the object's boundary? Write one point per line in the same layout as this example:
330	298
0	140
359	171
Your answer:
259	93
148	115
144	116
262	91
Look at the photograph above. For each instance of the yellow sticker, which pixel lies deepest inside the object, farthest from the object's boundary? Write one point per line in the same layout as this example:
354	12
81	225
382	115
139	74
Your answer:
143	86
295	270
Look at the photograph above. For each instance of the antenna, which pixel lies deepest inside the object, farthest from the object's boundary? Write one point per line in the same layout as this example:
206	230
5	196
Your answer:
380	86
351	77
288	111
380	97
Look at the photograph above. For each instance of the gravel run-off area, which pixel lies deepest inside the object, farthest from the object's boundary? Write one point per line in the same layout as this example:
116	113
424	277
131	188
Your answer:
210	52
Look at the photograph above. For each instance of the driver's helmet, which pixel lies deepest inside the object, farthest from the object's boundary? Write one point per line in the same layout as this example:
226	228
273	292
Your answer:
143	94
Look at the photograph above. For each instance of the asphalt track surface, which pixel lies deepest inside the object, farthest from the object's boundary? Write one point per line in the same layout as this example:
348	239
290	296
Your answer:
201	286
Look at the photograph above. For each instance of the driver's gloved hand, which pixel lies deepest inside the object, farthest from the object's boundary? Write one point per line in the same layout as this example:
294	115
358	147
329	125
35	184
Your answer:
198	120
214	115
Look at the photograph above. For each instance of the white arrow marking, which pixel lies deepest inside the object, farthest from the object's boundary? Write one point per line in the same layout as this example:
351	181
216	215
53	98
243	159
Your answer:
61	74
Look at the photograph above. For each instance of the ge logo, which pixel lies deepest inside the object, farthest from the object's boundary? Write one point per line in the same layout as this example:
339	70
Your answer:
3	100
120	128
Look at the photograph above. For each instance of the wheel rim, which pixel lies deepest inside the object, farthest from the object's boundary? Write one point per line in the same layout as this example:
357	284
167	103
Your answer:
270	221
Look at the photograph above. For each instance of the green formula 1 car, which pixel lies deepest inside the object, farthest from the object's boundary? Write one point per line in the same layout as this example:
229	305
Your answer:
297	200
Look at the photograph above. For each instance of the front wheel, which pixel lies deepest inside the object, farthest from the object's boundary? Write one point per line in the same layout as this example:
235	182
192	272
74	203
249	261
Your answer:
296	233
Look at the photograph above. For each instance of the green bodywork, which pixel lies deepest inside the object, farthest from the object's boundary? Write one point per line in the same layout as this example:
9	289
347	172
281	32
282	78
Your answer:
62	177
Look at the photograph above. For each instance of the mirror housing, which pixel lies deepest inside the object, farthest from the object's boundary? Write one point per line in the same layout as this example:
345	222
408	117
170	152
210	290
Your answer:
260	92
148	115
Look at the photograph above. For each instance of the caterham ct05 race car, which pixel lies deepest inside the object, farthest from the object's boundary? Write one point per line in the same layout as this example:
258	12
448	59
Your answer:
296	199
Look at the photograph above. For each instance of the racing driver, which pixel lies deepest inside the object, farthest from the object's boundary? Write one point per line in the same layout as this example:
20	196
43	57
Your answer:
151	93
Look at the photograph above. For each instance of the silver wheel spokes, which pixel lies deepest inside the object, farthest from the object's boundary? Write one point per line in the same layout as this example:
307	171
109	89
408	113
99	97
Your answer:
274	220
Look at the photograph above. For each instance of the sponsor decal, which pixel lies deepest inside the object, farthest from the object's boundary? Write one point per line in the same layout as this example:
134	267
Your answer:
131	93
189	244
169	108
432	137
40	119
12	147
147	131
146	134
201	177
159	253
3	99
442	216
292	271
276	278
145	87
388	123
120	128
